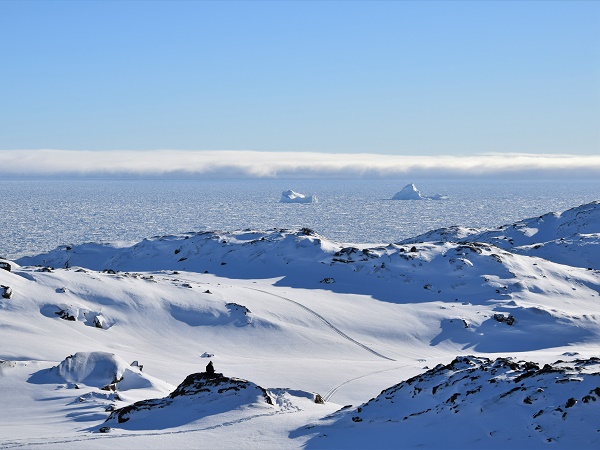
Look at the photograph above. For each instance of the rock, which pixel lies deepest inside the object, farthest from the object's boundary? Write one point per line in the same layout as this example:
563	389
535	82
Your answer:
5	266
6	291
319	400
65	315
210	369
202	388
207	355
104	429
99	321
327	280
137	364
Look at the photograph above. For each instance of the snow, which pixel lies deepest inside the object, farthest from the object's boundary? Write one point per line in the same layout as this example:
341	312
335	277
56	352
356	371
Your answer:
290	316
570	237
410	192
290	196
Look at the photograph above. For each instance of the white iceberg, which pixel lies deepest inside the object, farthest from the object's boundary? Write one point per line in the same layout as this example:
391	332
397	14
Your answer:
290	196
410	192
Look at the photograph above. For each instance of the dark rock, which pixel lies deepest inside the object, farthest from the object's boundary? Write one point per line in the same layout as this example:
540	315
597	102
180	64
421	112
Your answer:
109	271
98	322
499	317
413	249
6	291
104	429
571	402
327	280
319	400
210	369
236	306
510	320
5	266
63	314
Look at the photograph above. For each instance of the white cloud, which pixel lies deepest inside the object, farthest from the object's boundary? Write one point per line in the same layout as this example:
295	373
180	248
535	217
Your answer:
252	164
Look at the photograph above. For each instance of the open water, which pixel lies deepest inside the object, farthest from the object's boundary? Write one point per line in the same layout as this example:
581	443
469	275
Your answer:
40	215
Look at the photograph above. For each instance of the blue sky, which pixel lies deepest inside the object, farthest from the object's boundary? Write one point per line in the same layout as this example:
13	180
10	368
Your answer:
395	78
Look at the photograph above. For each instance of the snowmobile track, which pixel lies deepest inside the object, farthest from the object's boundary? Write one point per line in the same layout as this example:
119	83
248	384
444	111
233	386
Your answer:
329	324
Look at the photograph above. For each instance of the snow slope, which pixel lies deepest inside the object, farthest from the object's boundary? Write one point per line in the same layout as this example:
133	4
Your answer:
571	237
95	332
504	403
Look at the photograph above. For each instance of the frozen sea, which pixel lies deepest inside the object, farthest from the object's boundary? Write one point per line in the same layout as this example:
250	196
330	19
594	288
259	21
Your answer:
40	215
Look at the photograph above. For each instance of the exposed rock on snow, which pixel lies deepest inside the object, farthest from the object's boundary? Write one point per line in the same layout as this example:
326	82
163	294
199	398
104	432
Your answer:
290	196
410	192
74	313
481	402
571	237
5	266
198	395
6	291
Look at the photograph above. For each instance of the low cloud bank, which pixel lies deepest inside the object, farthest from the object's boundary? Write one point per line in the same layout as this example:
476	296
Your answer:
253	164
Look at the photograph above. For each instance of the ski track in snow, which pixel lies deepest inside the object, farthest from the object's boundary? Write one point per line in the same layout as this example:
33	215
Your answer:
331	392
324	320
143	435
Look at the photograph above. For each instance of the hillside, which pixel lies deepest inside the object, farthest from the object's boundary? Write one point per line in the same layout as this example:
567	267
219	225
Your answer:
99	329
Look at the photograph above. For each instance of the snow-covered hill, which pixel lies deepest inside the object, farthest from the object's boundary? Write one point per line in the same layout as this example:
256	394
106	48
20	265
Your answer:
98	332
475	402
571	237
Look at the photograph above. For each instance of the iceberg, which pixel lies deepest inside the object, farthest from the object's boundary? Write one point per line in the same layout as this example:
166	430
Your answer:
410	192
290	196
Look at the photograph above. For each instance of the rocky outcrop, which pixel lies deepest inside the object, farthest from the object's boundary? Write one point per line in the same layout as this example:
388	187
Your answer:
203	388
484	399
6	291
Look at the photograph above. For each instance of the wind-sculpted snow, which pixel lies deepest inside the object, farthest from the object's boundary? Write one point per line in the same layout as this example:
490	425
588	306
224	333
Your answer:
571	237
476	402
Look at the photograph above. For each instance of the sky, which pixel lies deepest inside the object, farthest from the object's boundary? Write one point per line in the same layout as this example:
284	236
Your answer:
395	79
